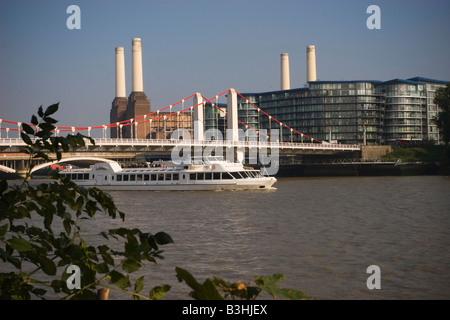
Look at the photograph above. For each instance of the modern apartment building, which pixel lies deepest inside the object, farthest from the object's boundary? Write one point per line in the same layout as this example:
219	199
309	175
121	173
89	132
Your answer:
351	112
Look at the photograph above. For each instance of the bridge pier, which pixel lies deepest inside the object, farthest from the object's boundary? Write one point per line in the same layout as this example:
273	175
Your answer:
232	134
197	102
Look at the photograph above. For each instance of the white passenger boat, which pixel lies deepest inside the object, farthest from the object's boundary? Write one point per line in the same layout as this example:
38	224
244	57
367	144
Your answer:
212	173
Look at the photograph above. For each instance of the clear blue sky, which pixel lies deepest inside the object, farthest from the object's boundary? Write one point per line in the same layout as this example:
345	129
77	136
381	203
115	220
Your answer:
205	46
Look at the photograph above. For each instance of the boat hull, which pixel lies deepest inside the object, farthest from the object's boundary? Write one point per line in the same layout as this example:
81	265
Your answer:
252	184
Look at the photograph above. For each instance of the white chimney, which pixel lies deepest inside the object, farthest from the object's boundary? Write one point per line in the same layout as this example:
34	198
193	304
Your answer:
120	73
284	68
311	63
137	65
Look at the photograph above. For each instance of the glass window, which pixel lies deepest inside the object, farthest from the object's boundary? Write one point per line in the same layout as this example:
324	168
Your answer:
192	176
139	177
119	177
160	177
132	177
236	175
216	175
208	176
175	176
227	175
146	177
168	177
125	177
153	177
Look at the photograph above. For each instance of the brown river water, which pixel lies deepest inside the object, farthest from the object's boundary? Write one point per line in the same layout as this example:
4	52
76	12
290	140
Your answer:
321	233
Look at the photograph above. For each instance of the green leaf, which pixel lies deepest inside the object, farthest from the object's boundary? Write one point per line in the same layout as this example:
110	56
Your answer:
163	238
51	109
159	292
26	138
67	226
119	279
3	229
78	204
205	291
27	129
130	265
40	112
20	244
46	127
139	285
102	268
50	120
47	265
34	120
270	285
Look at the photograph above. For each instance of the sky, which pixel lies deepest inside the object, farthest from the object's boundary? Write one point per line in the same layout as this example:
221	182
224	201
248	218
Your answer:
205	46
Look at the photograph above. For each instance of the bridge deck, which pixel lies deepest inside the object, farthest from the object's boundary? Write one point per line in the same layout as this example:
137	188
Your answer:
11	145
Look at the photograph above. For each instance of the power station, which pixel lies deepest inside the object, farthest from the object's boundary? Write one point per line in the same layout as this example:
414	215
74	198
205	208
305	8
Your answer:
137	103
349	112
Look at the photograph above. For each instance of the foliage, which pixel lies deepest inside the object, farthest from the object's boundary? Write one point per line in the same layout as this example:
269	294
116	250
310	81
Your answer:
442	99
41	236
415	153
210	289
40	231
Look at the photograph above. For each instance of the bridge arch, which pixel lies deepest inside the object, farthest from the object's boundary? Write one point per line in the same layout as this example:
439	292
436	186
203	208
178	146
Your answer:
43	165
6	169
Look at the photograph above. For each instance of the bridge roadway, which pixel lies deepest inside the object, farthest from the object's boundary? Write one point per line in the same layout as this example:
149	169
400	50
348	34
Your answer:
11	149
166	145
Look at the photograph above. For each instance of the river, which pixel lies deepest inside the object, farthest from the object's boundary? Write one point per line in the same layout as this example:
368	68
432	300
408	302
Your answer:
321	233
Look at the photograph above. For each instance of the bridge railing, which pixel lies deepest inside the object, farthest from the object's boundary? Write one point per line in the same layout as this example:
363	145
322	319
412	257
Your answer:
10	142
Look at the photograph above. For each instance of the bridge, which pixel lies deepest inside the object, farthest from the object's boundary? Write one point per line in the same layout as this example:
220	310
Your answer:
194	140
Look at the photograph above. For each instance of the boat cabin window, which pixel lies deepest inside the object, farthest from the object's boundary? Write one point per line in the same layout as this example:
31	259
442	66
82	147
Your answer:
132	177
192	176
216	175
125	177
153	177
160	177
168	177
208	176
119	177
227	175
175	176
146	177
236	175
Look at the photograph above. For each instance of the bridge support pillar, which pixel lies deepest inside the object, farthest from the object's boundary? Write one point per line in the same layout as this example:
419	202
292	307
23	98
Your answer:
198	125
198	117
232	135
232	116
